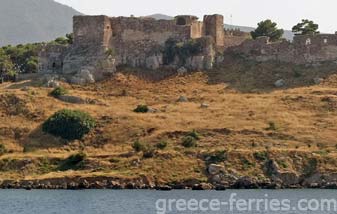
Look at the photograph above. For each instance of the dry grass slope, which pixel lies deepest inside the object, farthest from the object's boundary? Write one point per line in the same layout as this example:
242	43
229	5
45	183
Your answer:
292	125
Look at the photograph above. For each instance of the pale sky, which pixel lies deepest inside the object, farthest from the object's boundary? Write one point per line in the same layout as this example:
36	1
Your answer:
286	13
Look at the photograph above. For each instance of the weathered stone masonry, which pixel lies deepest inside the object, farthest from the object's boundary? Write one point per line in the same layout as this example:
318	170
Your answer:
304	49
101	43
131	41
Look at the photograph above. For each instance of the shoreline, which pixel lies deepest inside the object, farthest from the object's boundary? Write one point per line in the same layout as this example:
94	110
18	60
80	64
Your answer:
80	183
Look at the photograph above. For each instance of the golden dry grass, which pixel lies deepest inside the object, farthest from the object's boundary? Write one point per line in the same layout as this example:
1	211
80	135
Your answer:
291	123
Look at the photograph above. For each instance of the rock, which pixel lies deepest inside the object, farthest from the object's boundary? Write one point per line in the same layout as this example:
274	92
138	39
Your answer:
164	188
182	99
25	88
245	183
196	62
318	81
52	84
288	178
202	186
204	105
82	77
182	71
214	169
153	62
152	110
114	185
71	99
280	83
271	167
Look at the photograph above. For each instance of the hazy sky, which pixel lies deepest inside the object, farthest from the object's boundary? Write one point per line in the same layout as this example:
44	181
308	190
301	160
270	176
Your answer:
244	12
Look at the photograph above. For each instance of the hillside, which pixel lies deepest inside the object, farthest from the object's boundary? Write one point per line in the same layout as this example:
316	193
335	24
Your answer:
27	21
245	127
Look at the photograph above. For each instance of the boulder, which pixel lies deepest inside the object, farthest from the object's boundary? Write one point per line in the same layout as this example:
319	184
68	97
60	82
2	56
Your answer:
182	99
182	71
214	169
318	81
280	83
83	77
288	178
204	105
71	99
153	62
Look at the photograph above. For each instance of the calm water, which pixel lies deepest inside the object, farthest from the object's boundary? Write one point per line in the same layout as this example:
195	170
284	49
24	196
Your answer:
139	202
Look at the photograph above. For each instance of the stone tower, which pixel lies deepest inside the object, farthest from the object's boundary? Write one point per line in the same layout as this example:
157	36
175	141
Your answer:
214	27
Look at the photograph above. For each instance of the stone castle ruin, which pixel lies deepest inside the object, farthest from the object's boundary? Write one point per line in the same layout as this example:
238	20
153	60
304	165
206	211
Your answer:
101	43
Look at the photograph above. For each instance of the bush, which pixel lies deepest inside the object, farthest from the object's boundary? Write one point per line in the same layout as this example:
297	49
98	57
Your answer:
141	109
271	126
69	124
261	156
3	149
162	145
138	146
73	161
189	142
59	91
194	134
182	50
216	157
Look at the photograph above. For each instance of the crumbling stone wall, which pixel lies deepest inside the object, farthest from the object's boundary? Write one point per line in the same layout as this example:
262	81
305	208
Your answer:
51	58
101	43
304	49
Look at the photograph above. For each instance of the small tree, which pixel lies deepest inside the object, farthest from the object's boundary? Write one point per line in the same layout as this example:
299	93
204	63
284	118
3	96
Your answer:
306	27
267	28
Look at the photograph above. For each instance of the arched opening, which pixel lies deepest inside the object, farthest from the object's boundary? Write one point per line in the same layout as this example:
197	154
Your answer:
54	65
181	21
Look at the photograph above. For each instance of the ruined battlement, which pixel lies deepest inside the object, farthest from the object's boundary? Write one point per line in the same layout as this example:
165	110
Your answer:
106	30
304	49
101	43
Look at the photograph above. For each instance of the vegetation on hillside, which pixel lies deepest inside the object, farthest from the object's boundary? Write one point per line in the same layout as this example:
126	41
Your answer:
69	124
24	58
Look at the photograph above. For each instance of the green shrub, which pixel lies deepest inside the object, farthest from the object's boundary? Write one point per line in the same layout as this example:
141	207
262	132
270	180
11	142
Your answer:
183	50
271	126
162	145
261	156
69	124
194	134
141	109
73	161
3	149
216	157
138	146
59	91
189	142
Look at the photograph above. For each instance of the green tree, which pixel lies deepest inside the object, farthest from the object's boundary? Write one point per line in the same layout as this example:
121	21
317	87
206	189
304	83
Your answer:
6	65
306	27
267	28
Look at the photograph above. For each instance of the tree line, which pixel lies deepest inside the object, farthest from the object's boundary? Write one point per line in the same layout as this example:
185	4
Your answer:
269	28
24	58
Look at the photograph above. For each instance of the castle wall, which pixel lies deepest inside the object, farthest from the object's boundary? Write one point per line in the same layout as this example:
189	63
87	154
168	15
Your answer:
101	43
304	49
214	27
138	42
51	58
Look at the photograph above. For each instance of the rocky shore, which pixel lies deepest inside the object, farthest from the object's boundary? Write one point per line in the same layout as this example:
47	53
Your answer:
78	183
